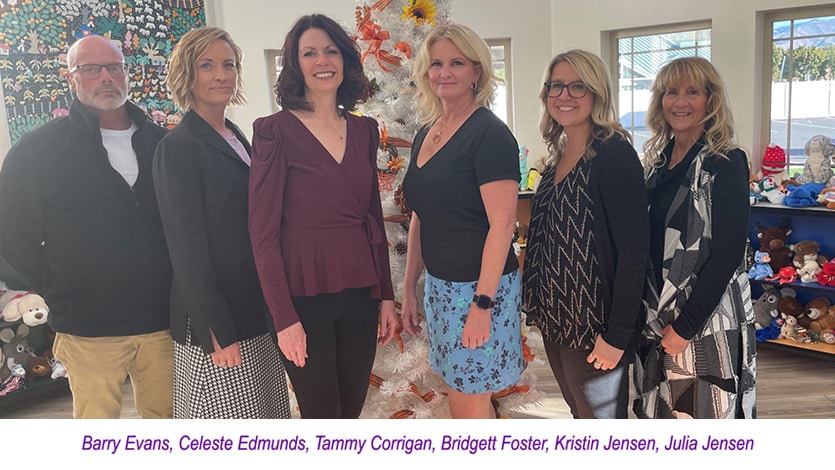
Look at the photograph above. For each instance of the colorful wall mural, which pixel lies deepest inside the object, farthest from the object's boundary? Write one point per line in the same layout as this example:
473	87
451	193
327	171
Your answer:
35	36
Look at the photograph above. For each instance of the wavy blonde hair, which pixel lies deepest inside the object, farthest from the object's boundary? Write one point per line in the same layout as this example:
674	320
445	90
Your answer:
605	124
183	61
473	47
718	122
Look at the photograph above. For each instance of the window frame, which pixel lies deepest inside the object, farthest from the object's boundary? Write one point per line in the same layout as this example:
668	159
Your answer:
767	41
508	74
611	52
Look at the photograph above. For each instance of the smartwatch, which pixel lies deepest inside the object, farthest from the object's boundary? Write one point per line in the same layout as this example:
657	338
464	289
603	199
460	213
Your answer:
483	302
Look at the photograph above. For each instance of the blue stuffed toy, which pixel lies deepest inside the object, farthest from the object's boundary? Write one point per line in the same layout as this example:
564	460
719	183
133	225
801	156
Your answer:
804	195
761	268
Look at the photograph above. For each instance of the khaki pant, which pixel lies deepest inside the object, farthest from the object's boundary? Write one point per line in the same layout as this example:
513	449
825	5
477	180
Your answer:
98	367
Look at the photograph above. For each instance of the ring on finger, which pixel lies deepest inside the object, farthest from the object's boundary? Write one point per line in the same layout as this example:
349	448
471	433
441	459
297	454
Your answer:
598	364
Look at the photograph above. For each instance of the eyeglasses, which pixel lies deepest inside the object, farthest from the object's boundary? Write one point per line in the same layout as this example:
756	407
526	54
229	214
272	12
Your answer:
575	89
117	70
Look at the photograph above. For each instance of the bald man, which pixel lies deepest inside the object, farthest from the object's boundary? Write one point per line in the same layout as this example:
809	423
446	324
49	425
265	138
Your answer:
82	229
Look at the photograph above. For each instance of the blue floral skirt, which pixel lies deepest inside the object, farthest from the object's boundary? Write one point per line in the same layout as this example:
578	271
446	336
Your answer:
495	365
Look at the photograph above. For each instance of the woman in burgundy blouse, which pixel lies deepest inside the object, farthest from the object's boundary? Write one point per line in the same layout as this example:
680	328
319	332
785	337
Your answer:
316	222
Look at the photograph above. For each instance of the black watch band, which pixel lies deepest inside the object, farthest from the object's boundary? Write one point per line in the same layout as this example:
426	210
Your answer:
483	302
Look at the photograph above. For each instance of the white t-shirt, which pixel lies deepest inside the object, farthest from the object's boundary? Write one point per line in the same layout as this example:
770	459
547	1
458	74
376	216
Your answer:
120	152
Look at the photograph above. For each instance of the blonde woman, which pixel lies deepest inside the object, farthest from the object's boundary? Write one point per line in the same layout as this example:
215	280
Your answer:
698	357
226	363
462	183
588	238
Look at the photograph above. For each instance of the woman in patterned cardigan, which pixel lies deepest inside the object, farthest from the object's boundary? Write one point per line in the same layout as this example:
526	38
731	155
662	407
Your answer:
697	358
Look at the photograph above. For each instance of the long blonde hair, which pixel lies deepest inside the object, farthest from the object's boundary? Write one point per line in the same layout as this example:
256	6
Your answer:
718	122
473	47
605	123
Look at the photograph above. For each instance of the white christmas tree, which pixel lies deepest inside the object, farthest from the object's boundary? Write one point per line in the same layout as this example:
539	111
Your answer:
389	32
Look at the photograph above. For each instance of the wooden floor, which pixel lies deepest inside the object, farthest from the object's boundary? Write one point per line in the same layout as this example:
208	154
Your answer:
789	385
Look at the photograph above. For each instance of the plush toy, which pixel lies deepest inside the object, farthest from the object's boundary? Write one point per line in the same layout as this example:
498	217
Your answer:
824	323
808	260
761	269
29	307
766	306
785	275
805	195
814	310
770	332
818	167
789	306
773	240
774	163
769	189
16	347
58	369
37	367
828	337
787	331
827	275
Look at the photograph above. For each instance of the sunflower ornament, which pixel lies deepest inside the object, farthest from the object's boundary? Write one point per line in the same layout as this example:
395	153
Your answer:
420	11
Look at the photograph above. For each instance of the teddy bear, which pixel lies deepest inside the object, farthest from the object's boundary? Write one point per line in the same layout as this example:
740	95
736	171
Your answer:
29	307
773	240
761	269
818	167
825	322
826	197
808	260
789	306
37	367
813	310
774	163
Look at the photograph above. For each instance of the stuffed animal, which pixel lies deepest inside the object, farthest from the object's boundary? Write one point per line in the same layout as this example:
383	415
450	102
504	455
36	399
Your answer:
815	309
808	260
787	331
774	163
37	367
827	275
789	306
769	189
58	369
824	323
818	167
805	195
786	275
16	347
29	307
761	269
773	240
766	306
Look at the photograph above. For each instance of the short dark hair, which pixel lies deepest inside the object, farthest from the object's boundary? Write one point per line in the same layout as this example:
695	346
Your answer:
289	88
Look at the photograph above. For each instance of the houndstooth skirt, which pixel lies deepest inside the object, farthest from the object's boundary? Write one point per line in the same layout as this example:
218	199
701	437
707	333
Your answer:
257	389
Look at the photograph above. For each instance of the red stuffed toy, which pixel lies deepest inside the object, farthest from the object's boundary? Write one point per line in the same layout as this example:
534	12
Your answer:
827	276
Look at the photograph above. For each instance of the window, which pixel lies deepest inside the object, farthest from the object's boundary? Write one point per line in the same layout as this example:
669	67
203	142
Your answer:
503	100
802	73
273	58
639	57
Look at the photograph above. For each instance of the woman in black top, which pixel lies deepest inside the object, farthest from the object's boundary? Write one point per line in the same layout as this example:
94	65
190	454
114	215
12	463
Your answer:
462	184
587	242
698	356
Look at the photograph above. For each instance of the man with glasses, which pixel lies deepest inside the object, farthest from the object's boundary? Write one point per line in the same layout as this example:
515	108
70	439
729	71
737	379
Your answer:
83	230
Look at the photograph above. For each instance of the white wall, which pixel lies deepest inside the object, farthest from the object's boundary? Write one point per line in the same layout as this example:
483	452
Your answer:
258	25
538	29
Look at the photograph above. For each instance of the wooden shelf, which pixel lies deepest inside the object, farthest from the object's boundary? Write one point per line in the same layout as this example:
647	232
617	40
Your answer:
818	349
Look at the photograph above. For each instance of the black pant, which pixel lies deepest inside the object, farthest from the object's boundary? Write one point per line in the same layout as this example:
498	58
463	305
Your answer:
589	392
341	334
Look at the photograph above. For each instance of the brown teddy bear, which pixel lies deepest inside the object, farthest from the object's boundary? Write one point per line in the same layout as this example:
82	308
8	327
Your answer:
815	308
773	240
788	306
824	323
808	260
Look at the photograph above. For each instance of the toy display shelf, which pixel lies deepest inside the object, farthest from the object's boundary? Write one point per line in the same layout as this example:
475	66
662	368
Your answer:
807	223
35	390
523	215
